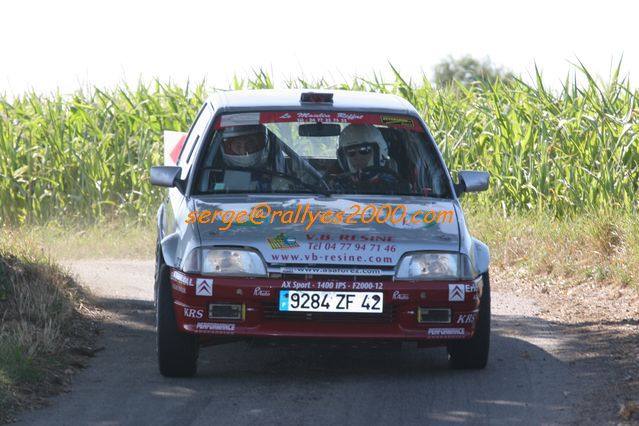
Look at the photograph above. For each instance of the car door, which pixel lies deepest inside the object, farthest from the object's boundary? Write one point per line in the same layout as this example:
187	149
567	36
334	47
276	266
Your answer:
175	202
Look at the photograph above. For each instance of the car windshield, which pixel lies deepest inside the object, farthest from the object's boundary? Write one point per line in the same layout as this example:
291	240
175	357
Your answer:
324	152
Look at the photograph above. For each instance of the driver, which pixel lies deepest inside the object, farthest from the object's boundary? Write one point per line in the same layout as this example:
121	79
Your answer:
246	151
245	146
255	161
363	155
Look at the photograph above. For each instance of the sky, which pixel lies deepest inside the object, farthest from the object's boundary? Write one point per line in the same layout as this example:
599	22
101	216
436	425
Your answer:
71	44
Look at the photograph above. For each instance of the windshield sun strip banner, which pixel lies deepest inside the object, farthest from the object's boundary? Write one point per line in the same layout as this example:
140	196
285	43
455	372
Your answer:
390	120
240	119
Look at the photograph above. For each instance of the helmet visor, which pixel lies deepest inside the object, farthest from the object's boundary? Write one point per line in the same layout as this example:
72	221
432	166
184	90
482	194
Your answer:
244	144
359	156
364	149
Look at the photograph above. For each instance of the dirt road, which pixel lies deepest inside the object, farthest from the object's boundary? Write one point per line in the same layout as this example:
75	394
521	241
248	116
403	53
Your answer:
532	376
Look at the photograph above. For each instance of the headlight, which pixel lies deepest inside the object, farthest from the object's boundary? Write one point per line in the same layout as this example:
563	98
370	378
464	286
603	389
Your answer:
434	266
224	261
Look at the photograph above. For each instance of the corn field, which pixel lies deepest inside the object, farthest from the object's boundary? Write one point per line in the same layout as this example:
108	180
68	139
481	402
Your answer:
86	156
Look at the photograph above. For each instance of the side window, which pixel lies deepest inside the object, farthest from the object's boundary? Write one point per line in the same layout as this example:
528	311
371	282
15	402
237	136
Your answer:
198	128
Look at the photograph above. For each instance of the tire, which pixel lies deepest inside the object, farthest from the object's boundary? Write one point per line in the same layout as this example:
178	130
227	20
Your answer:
177	351
159	261
472	354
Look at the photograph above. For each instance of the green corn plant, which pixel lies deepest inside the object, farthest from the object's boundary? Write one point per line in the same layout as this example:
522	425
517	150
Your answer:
86	156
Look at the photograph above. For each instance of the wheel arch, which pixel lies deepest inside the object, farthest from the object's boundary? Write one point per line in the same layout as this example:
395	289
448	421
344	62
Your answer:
482	256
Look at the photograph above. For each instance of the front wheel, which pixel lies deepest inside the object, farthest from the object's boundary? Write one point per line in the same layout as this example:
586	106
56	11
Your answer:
177	351
473	353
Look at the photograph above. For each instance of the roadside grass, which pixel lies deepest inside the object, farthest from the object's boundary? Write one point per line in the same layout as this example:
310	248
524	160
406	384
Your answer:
41	329
598	247
63	241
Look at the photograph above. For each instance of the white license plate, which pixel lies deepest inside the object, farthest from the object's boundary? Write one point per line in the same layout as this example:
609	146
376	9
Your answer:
331	301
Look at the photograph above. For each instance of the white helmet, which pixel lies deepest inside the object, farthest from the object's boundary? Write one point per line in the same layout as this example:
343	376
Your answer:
245	146
365	135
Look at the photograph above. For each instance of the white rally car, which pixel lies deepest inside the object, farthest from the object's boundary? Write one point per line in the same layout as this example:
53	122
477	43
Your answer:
387	258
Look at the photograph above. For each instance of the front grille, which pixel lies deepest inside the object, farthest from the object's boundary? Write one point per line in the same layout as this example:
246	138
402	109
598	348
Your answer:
271	312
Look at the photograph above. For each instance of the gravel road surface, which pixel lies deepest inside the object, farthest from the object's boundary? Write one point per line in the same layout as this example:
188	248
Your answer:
531	377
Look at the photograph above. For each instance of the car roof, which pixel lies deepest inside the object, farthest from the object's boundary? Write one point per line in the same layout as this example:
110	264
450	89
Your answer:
278	100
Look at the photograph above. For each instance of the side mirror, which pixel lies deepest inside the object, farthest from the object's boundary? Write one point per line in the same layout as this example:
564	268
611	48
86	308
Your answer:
168	176
472	181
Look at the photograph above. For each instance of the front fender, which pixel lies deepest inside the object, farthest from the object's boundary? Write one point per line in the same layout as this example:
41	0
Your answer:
482	256
169	249
168	243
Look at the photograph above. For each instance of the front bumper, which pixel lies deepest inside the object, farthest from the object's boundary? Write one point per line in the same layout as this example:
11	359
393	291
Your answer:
261	317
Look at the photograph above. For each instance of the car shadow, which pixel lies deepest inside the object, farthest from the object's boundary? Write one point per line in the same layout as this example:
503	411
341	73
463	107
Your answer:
534	375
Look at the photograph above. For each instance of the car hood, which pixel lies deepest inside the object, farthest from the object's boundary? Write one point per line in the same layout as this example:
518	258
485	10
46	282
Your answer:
363	244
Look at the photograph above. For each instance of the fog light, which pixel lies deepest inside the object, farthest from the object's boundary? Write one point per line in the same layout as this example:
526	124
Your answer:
433	316
226	311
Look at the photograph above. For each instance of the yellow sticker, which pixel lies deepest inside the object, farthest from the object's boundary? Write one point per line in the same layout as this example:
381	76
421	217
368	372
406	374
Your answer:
397	120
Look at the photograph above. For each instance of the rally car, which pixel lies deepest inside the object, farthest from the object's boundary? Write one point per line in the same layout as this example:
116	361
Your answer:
388	257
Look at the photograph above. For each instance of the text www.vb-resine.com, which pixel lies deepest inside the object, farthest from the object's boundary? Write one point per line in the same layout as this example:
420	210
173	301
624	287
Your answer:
263	213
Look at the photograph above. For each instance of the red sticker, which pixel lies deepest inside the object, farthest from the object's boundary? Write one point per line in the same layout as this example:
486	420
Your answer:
175	153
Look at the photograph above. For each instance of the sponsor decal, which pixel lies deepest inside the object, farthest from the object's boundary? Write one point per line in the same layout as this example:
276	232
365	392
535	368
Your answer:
368	286
181	278
281	241
438	332
397	120
297	285
400	296
204	287
215	326
349	116
193	313
313	116
309	270
456	292
325	252
466	318
178	287
350	237
334	285
262	292
471	288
